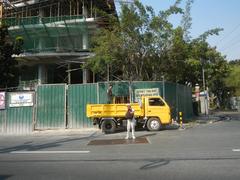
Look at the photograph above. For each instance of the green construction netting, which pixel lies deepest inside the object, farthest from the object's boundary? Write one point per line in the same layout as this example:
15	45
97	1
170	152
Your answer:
49	34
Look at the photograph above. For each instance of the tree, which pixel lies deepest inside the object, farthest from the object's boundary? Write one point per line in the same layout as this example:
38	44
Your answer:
235	62
186	21
8	64
140	45
233	80
217	70
177	55
135	45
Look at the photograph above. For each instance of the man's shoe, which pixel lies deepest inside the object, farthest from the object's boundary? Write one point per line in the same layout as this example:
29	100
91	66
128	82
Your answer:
126	137
134	137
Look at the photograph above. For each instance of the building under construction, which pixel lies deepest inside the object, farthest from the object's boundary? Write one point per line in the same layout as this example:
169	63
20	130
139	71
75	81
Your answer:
56	36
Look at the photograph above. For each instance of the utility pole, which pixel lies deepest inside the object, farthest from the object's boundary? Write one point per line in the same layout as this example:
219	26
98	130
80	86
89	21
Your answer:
204	90
108	73
1	11
203	77
163	79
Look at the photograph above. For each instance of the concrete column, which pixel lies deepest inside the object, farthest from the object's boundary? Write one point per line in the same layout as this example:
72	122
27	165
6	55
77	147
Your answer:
91	9
42	74
85	40
93	79
40	42
84	10
77	7
85	76
69	73
85	34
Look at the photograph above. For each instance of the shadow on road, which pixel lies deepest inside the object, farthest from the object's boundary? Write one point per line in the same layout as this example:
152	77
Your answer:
148	163
3	177
155	164
29	146
141	129
163	162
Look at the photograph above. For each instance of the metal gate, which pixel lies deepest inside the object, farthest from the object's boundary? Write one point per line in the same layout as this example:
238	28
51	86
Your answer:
79	95
50	106
2	120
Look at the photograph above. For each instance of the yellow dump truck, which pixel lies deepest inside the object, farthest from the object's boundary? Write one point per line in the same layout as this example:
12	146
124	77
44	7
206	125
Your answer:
152	112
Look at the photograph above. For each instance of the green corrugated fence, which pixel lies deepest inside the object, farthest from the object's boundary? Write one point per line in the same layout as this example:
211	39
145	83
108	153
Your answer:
78	96
179	97
50	106
16	120
2	120
64	106
19	120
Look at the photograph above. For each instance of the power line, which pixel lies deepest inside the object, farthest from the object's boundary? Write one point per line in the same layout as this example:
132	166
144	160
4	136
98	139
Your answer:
124	1
234	29
230	43
233	44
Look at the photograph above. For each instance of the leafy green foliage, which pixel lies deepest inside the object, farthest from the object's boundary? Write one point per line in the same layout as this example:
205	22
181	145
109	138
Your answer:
205	35
235	62
186	22
8	69
233	80
134	46
142	45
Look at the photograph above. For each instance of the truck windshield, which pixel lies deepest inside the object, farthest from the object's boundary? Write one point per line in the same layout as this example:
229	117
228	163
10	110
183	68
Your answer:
156	102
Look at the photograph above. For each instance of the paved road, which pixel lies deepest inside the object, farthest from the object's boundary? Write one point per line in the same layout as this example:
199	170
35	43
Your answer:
206	151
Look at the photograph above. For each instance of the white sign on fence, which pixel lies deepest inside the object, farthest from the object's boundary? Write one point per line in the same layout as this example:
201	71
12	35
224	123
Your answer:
2	100
21	99
145	92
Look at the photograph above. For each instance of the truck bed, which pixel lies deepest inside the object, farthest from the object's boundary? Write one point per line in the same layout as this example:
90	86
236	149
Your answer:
112	110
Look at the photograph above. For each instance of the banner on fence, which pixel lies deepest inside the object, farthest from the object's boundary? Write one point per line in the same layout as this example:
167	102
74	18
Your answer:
2	100
21	99
145	92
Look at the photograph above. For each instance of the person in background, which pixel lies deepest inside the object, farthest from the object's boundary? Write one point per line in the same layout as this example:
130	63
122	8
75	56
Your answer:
140	101
130	121
109	94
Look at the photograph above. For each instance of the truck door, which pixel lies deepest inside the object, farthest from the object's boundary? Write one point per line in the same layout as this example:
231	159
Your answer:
156	107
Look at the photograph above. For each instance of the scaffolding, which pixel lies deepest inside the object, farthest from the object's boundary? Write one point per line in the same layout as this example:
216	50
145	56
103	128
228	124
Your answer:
56	36
56	25
48	34
49	8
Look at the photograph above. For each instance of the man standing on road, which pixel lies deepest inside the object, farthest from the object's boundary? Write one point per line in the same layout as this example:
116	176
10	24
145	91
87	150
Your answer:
130	121
110	94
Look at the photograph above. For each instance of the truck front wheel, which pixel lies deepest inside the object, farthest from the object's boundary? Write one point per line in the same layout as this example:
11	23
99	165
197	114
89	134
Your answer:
108	126
153	124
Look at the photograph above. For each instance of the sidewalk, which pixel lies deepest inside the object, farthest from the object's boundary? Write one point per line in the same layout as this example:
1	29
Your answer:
215	116
203	119
57	132
212	117
65	131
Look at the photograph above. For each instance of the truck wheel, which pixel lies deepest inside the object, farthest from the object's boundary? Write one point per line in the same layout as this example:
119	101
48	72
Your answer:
108	126
153	124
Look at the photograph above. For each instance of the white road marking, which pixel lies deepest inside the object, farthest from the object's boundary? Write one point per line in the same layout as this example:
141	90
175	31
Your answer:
236	150
49	152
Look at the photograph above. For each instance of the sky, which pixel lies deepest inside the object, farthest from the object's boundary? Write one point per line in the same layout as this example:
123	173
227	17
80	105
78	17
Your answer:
209	14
